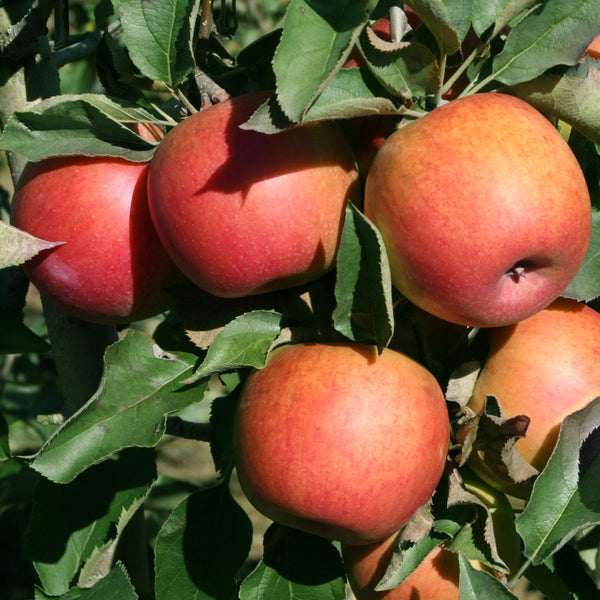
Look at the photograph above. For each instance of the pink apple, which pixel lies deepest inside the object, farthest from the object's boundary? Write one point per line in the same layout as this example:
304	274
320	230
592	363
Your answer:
339	441
545	367
242	212
483	208
112	267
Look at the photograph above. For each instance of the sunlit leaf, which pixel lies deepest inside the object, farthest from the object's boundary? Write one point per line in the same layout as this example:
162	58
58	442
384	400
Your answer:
565	495
140	386
558	32
19	246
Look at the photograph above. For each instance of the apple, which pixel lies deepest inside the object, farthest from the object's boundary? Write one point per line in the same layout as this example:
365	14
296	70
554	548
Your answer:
435	578
545	367
339	441
112	267
242	212
593	49
483	208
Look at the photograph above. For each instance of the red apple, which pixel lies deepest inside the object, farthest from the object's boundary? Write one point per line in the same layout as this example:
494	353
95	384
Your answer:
436	578
242	212
112	267
483	208
339	441
545	367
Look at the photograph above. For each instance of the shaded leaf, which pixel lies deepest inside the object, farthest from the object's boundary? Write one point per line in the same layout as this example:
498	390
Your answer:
434	14
69	521
115	585
139	387
586	284
511	10
404	70
296	565
17	337
363	288
201	547
350	93
317	37
475	584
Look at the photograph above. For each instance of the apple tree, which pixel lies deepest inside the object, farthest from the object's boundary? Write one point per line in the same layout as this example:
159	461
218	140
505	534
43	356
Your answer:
90	507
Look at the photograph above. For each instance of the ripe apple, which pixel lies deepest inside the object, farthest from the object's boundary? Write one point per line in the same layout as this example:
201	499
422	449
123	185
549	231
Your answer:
242	212
435	578
545	367
483	208
112	267
336	440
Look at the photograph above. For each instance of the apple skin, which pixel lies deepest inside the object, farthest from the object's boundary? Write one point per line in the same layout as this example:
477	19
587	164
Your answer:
435	578
338	441
545	367
242	212
112	267
483	208
593	49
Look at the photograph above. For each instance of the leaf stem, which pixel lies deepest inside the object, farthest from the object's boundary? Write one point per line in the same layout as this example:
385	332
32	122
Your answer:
460	70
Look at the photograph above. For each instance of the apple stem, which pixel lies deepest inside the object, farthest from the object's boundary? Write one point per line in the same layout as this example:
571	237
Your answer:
516	273
460	70
439	93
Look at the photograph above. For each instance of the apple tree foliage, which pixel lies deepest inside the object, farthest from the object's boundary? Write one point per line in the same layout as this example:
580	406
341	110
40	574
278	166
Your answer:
85	510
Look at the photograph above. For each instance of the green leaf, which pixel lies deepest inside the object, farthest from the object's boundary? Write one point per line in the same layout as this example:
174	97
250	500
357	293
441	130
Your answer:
88	124
363	288
18	338
244	342
404	70
460	13
558	32
573	97
69	521
511	10
435	15
565	499
296	566
19	246
317	37
475	584
350	93
115	585
4	445
201	547
586	284
139	387
412	555
158	36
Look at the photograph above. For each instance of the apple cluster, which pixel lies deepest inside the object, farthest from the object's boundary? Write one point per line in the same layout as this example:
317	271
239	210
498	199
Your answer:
485	216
